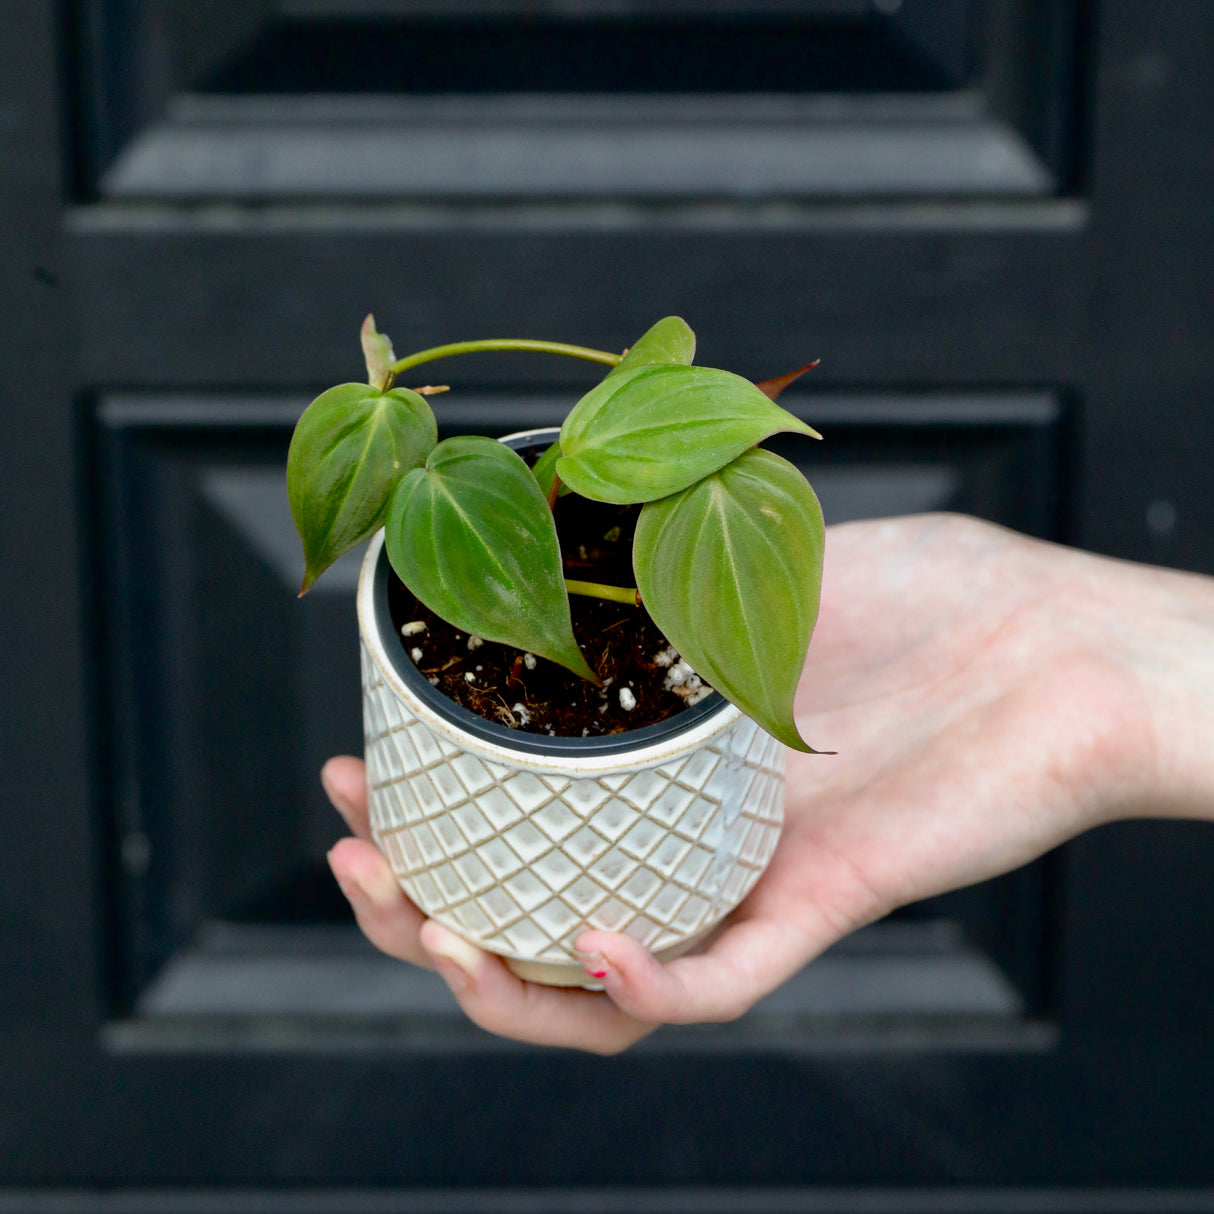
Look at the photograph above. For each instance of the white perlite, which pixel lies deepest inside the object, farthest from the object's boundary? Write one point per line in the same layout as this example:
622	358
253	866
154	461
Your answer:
415	654
412	628
469	677
686	684
680	674
475	642
627	700
667	657
520	711
529	661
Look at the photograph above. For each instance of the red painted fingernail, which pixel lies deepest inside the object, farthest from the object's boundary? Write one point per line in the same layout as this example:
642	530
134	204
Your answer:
594	963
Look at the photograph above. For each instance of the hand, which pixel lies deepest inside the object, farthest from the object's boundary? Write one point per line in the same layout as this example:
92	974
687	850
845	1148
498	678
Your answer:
989	696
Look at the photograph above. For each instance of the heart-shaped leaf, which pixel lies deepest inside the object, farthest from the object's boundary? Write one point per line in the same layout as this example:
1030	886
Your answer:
350	447
472	536
657	429
730	569
669	341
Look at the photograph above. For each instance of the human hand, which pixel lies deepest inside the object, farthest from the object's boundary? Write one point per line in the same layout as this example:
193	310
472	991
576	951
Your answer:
989	696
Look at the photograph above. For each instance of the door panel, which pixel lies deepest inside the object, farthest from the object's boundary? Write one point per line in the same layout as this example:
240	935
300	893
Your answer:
1011	322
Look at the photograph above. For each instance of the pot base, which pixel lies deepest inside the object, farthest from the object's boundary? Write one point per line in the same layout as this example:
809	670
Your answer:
556	973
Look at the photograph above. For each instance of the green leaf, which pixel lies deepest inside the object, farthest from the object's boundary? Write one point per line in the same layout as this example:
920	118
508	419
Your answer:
669	341
379	356
657	429
730	570
350	447
472	536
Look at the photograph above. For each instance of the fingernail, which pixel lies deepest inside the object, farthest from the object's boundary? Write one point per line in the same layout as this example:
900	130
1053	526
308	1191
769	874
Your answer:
453	957
594	963
340	803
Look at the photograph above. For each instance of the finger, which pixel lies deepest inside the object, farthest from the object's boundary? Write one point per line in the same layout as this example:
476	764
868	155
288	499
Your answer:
748	960
387	918
345	783
492	997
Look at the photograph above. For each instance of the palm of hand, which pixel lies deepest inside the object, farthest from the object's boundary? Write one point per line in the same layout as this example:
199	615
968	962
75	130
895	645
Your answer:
952	672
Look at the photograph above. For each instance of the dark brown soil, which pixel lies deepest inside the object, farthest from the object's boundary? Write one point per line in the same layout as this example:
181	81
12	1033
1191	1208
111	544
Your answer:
620	641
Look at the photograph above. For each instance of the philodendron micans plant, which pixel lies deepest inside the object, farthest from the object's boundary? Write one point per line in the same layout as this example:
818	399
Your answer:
728	547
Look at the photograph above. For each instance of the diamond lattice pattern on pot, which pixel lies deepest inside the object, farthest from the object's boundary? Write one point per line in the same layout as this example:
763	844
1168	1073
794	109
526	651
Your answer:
520	861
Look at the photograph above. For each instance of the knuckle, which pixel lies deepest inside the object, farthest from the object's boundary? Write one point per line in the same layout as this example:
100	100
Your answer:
720	1009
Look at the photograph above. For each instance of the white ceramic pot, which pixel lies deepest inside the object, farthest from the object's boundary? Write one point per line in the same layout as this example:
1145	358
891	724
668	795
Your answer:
520	841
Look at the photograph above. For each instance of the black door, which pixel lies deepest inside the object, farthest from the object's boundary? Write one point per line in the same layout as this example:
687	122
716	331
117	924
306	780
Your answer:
989	219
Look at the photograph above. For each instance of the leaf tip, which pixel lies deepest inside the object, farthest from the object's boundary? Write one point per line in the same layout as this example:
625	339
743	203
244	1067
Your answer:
805	747
309	580
583	668
785	730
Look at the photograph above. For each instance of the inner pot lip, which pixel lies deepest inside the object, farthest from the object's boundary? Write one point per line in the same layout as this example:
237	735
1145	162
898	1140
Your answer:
706	718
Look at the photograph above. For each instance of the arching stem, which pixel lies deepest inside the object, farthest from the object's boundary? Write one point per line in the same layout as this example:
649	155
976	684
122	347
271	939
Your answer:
504	343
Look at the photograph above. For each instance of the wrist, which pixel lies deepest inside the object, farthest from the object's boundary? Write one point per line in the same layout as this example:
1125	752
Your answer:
1160	627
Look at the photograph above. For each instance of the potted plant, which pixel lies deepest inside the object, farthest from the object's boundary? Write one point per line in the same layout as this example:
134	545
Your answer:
535	767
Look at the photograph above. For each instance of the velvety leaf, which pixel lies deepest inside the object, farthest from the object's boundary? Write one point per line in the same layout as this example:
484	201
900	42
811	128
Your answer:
350	447
378	353
669	341
730	569
472	536
657	429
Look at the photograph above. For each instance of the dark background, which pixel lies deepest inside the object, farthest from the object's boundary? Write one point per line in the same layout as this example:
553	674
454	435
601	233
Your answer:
990	218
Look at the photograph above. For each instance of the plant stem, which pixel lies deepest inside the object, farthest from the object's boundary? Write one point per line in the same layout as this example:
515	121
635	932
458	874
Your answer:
596	590
504	343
